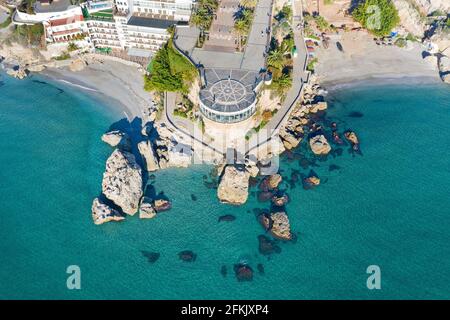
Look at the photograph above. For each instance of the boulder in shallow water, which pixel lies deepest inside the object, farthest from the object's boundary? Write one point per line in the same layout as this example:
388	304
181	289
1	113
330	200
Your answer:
280	226
146	210
274	180
152	257
116	138
233	187
187	256
162	205
319	145
280	201
102	213
243	272
227	217
122	181
267	246
147	153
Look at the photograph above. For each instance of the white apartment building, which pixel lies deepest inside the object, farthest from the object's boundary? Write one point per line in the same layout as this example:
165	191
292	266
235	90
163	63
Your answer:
136	26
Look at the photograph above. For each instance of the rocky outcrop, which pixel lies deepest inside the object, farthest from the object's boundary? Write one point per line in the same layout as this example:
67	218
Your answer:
18	72
147	153
273	181
122	181
161	205
429	6
280	201
102	213
146	210
410	18
280	226
319	145
117	138
233	187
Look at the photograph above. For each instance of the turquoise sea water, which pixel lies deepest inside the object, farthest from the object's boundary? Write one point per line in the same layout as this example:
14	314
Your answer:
389	207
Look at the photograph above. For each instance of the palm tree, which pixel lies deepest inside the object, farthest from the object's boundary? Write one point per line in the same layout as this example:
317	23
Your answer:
248	3
275	59
283	83
241	30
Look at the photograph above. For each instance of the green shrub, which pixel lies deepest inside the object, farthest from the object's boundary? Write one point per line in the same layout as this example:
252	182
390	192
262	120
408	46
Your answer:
377	16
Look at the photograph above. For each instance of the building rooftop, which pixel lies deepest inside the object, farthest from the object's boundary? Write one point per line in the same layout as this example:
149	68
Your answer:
151	23
229	90
45	6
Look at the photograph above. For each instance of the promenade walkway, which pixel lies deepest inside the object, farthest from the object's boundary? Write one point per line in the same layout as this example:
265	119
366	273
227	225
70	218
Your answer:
271	130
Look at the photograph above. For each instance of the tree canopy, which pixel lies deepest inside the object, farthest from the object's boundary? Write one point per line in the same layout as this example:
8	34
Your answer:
169	71
377	16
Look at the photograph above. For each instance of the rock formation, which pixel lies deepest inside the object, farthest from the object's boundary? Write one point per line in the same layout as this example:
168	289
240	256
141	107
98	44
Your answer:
122	181
147	153
319	145
117	138
280	225
146	210
233	187
410	17
18	72
162	205
102	213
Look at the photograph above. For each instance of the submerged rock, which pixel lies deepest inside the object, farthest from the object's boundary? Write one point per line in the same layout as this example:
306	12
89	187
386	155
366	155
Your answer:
243	272
233	187
102	213
260	268
122	181
223	270
187	256
146	150
227	217
162	205
267	246
152	257
146	210
319	145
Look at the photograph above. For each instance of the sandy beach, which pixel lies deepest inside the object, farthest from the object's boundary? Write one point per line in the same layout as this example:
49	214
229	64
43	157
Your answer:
121	82
361	59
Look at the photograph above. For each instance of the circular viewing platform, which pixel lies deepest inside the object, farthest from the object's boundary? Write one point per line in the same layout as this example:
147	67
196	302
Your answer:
229	95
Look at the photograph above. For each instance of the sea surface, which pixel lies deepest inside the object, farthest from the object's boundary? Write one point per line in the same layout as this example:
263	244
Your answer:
388	207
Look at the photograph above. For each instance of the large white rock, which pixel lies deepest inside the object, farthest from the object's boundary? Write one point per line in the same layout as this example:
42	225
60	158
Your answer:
233	188
146	150
122	181
280	225
102	213
319	145
146	210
